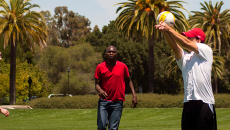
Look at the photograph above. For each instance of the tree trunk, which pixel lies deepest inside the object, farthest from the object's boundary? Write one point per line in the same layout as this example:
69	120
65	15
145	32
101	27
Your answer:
13	50
151	63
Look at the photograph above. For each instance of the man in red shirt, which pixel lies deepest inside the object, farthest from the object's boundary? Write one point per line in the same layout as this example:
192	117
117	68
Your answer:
110	78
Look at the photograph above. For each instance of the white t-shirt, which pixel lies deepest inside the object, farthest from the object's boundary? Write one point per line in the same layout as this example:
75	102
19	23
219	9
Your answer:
196	71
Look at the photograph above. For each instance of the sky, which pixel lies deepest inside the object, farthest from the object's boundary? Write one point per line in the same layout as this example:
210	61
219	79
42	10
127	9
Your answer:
101	12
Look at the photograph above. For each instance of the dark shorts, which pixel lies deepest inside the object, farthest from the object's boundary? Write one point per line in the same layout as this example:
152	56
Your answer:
198	115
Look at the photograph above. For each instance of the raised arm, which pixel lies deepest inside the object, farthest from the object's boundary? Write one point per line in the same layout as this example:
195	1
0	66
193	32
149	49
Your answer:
180	39
134	100
172	43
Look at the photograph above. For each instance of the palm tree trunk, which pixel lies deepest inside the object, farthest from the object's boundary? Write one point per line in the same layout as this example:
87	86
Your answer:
13	50
151	63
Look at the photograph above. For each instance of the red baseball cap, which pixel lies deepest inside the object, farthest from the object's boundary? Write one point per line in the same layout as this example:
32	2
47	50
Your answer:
196	32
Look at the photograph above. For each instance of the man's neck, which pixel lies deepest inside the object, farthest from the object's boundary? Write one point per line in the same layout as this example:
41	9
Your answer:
111	62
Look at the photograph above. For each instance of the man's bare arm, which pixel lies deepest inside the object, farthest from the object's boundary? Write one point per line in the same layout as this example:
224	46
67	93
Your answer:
175	47
102	93
134	100
180	39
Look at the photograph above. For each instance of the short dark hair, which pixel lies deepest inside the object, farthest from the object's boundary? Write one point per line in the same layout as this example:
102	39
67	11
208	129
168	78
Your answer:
197	38
111	46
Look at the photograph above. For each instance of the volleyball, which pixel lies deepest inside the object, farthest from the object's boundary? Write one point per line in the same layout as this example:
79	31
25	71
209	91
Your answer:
166	17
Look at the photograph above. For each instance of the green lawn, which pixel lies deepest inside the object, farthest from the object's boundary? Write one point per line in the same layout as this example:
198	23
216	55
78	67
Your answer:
85	119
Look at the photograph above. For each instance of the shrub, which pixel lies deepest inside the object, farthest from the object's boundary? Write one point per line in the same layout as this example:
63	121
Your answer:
155	100
75	102
222	100
144	101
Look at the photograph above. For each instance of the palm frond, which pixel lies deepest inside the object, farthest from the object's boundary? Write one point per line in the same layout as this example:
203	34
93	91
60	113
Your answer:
140	16
21	25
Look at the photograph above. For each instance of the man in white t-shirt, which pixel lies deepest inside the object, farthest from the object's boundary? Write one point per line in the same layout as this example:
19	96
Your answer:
196	66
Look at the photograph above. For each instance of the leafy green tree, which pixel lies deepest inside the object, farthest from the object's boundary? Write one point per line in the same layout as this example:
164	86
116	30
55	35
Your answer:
54	60
82	60
96	39
19	24
39	87
166	83
137	19
216	24
71	26
23	53
224	83
218	70
135	56
4	79
95	28
53	34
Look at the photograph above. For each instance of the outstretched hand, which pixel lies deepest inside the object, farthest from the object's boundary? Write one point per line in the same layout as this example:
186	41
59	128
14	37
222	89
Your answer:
162	26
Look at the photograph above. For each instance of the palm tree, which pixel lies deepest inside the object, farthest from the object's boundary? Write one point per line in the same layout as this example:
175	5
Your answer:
216	24
137	19
218	69
20	25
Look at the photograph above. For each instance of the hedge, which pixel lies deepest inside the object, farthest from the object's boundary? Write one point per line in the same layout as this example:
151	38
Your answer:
144	101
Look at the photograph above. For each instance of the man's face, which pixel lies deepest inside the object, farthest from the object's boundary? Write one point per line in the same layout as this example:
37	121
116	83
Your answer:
111	53
0	56
194	39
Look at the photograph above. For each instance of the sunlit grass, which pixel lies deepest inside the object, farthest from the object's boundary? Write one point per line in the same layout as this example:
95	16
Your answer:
85	119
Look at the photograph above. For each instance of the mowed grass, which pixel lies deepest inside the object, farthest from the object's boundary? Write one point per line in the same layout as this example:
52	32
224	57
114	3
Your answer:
85	119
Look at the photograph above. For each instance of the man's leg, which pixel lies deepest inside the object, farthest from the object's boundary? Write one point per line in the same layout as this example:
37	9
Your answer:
187	120
207	119
115	112
190	115
102	115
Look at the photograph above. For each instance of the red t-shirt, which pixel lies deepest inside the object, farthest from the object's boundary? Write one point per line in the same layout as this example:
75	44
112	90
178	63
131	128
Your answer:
112	80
